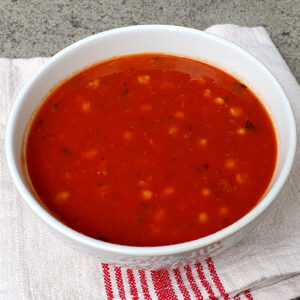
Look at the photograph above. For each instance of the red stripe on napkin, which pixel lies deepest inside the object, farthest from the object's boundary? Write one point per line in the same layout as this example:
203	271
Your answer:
163	285
192	282
215	277
107	281
204	282
181	285
133	289
144	284
248	295
120	283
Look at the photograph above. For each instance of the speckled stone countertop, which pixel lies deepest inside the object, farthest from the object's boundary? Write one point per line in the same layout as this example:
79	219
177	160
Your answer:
41	28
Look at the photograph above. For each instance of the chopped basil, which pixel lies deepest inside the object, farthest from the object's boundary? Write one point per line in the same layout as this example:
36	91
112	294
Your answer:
66	151
125	92
239	84
249	125
138	220
102	238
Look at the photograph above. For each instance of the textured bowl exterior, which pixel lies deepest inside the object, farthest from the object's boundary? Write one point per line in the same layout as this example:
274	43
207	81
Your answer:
154	39
167	261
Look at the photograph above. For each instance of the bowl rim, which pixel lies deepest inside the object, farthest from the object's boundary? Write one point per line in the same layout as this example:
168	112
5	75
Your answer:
180	248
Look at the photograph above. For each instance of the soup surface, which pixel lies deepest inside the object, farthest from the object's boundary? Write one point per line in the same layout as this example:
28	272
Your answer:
150	150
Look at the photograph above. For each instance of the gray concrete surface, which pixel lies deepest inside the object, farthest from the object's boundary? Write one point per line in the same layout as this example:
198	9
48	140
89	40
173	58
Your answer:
43	27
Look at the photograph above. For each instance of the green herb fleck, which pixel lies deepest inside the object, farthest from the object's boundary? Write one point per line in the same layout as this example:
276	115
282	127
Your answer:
239	84
40	122
66	151
102	238
145	205
125	92
249	125
138	220
199	169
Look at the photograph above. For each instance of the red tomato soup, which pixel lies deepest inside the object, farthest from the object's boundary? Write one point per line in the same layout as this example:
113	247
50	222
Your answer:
149	150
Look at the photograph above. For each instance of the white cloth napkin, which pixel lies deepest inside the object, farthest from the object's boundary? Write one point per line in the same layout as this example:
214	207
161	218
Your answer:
265	265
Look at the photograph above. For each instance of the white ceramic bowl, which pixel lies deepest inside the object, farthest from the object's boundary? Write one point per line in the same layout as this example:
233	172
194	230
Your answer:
162	39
